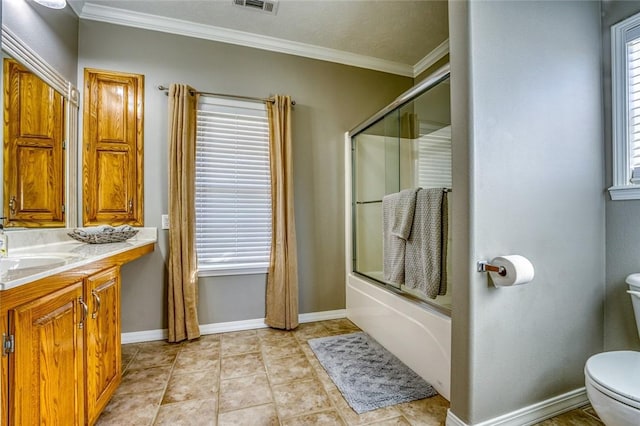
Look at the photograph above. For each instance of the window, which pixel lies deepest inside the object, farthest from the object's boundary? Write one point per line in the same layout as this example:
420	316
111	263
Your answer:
233	190
625	78
434	156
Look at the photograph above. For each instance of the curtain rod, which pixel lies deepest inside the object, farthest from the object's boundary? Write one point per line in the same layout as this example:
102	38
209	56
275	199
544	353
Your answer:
222	95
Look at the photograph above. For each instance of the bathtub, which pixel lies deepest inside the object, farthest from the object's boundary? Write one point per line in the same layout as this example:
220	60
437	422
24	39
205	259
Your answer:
417	334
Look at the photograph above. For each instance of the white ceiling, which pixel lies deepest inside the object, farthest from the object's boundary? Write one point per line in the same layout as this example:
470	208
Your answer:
384	33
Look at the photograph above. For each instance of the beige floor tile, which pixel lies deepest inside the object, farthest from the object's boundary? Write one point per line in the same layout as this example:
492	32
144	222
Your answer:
144	380
131	410
196	392
298	398
147	358
289	369
340	326
127	357
396	421
273	333
262	415
353	418
273	352
239	344
311	356
242	365
277	336
310	330
129	350
591	412
210	341
201	412
197	361
244	392
324	378
279	347
325	418
242	333
307	350
426	412
189	386
573	418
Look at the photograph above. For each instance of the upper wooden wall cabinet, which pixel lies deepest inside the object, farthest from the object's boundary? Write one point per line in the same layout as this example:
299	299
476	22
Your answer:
112	169
33	150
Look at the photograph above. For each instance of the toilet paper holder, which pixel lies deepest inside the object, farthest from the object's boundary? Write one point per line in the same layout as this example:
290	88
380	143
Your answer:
484	266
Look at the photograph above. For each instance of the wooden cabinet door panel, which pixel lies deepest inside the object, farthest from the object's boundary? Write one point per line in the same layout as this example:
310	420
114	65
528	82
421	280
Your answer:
104	359
48	364
33	150
115	117
112	169
114	196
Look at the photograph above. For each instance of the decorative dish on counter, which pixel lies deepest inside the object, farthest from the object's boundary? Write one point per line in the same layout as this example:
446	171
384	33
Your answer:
103	234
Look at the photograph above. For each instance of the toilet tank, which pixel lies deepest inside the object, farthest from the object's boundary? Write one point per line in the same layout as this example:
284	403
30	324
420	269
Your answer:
634	291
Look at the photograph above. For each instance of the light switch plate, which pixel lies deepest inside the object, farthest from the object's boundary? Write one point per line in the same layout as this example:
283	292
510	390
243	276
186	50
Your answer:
165	221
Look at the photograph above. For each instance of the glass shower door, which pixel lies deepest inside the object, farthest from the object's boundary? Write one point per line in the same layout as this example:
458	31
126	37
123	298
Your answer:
376	153
408	148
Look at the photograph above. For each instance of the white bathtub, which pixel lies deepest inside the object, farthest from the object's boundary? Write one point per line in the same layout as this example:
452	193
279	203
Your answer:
418	335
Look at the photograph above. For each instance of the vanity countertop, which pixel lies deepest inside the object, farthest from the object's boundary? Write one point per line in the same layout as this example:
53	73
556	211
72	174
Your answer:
72	254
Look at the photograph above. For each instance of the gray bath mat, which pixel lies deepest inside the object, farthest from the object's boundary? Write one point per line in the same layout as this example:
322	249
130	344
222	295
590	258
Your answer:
368	375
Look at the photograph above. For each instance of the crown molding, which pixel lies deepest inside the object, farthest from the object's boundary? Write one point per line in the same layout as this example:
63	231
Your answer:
432	57
147	21
20	51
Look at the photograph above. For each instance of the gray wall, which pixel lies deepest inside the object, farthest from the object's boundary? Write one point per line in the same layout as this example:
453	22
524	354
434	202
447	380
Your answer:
527	105
330	99
623	217
53	34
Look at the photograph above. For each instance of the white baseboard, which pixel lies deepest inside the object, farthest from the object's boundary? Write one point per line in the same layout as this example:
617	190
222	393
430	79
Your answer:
322	316
144	336
225	327
532	414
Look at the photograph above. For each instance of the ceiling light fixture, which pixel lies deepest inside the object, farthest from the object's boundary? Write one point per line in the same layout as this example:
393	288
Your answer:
52	4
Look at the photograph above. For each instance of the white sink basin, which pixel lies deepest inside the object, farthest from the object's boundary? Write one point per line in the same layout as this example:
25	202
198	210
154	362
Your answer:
40	261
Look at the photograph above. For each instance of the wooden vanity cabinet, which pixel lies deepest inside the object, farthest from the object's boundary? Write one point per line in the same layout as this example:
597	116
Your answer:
61	357
48	363
103	355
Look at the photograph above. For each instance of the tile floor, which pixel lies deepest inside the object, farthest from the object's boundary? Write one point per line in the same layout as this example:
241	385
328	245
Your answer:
254	378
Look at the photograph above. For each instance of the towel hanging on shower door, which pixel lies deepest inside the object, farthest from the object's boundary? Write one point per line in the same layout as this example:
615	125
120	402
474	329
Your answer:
426	247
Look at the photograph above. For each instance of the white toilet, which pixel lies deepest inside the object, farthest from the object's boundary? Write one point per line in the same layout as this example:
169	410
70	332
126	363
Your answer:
612	379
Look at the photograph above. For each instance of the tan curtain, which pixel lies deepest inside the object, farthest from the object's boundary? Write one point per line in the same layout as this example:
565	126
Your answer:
282	281
183	280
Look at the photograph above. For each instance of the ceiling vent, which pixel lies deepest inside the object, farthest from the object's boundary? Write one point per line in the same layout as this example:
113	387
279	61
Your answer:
267	6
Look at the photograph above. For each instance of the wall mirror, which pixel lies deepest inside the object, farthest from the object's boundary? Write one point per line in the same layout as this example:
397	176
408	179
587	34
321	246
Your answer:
40	133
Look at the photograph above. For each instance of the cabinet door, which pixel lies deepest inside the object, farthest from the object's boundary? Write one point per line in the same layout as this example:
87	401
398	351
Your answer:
112	153
104	362
47	367
33	150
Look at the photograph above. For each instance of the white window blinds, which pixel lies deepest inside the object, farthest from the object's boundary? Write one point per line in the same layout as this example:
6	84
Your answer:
233	192
434	158
633	117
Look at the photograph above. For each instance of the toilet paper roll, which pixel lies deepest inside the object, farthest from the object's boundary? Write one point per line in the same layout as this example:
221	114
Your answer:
519	270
